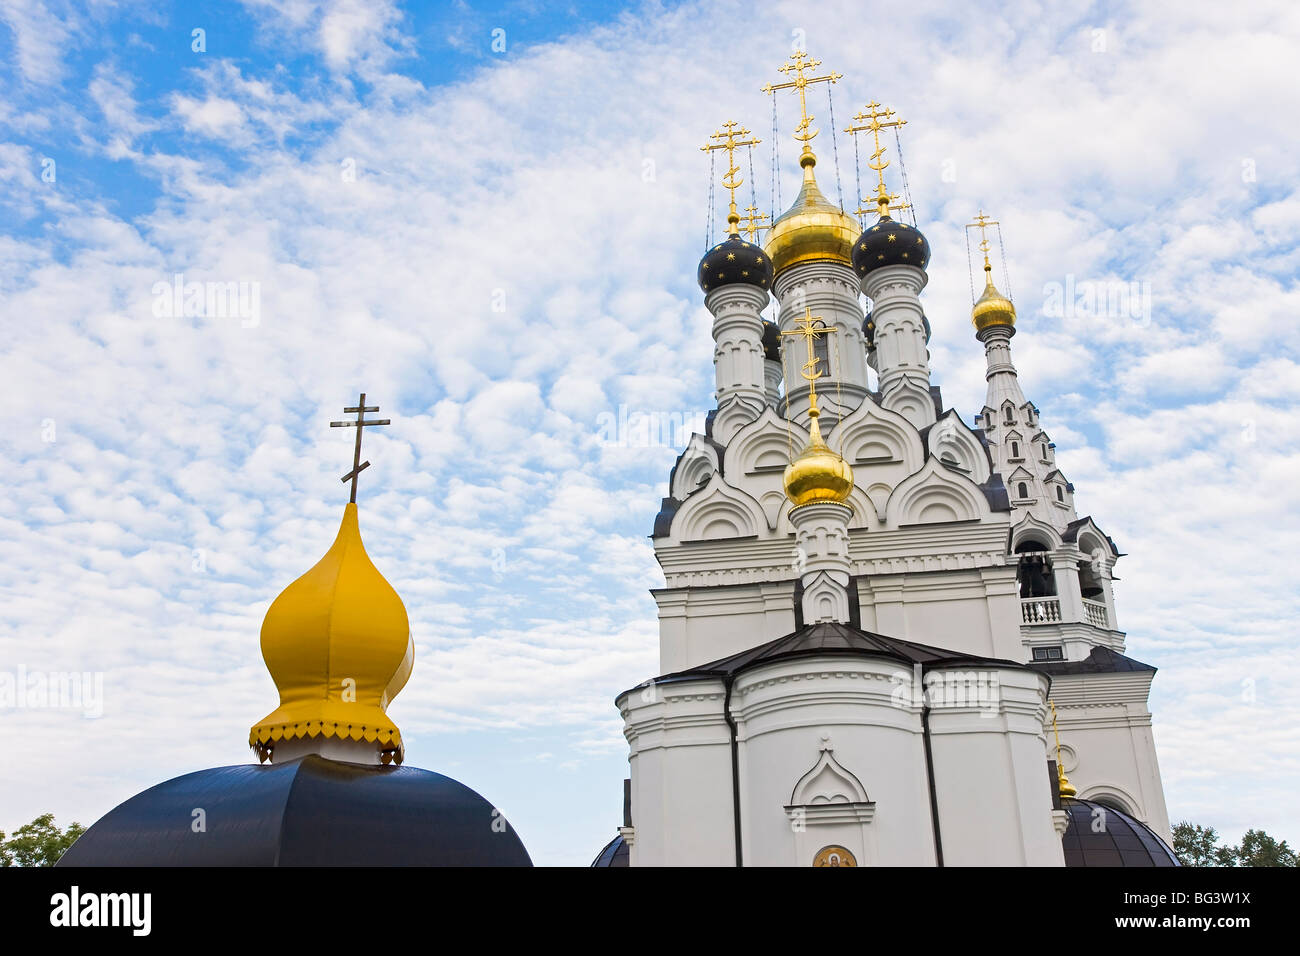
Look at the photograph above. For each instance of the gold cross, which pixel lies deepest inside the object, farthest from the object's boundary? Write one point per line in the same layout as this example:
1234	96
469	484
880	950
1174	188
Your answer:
803	132
983	222
753	221
809	331
1064	787
358	465
731	180
871	119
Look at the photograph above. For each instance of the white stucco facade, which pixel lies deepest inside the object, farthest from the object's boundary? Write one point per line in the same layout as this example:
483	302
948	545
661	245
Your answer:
958	535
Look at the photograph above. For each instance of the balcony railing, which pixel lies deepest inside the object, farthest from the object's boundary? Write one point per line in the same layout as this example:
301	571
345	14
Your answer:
1040	610
1094	612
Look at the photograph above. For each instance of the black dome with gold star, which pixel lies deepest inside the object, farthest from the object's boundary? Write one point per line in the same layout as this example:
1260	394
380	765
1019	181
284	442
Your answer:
890	243
735	260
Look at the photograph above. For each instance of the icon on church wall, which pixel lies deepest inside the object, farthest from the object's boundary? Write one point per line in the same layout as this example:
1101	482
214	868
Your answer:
834	856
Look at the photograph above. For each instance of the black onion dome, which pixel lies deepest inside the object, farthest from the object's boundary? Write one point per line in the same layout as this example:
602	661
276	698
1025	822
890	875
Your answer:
1097	835
615	853
735	260
771	342
306	812
890	243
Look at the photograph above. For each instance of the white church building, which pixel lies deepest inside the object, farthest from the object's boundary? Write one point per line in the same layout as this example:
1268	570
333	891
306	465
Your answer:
872	610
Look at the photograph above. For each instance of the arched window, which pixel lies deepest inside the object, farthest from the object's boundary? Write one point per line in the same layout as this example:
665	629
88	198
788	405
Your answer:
1015	449
1023	489
1035	571
1060	493
1008	415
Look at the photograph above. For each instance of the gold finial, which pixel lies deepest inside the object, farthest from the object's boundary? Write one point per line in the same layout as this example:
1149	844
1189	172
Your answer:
804	131
875	118
982	222
992	309
1063	784
727	140
818	474
753	222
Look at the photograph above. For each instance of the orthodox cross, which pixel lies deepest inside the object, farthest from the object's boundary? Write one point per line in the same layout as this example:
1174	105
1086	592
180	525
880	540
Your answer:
811	326
1064	787
358	465
875	118
982	222
753	222
726	139
801	61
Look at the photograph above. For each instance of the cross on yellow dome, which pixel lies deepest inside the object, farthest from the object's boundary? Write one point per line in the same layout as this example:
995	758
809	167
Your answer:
818	474
337	642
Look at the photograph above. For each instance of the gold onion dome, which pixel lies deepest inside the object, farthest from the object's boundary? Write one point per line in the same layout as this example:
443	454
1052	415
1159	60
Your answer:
337	642
812	228
818	474
993	309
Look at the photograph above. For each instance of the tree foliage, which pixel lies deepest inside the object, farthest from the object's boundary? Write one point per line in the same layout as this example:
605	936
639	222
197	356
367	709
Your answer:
1199	846
39	843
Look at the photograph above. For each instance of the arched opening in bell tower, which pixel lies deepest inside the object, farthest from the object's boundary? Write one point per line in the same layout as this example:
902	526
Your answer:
1035	569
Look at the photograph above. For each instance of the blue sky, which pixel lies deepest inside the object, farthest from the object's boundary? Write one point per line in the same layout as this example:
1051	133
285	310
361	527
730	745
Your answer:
499	247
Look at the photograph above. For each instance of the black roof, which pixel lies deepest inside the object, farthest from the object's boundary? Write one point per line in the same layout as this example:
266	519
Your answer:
1071	532
615	853
1098	835
831	638
1100	660
306	812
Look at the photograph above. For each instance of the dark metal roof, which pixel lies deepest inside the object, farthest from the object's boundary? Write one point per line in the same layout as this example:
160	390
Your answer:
615	853
818	640
306	812
1071	532
1098	835
1100	660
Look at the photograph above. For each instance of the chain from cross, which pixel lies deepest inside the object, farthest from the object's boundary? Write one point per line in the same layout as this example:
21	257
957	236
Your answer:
358	466
871	119
982	222
810	331
800	84
731	181
753	222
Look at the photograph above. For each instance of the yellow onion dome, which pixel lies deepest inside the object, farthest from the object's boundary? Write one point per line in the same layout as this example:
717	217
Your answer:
337	642
993	309
818	474
812	228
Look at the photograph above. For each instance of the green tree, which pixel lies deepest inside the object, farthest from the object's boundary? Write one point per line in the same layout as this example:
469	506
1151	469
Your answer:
39	843
1259	849
1197	846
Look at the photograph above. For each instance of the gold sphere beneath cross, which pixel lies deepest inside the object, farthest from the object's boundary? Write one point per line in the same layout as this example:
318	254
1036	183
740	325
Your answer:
818	474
